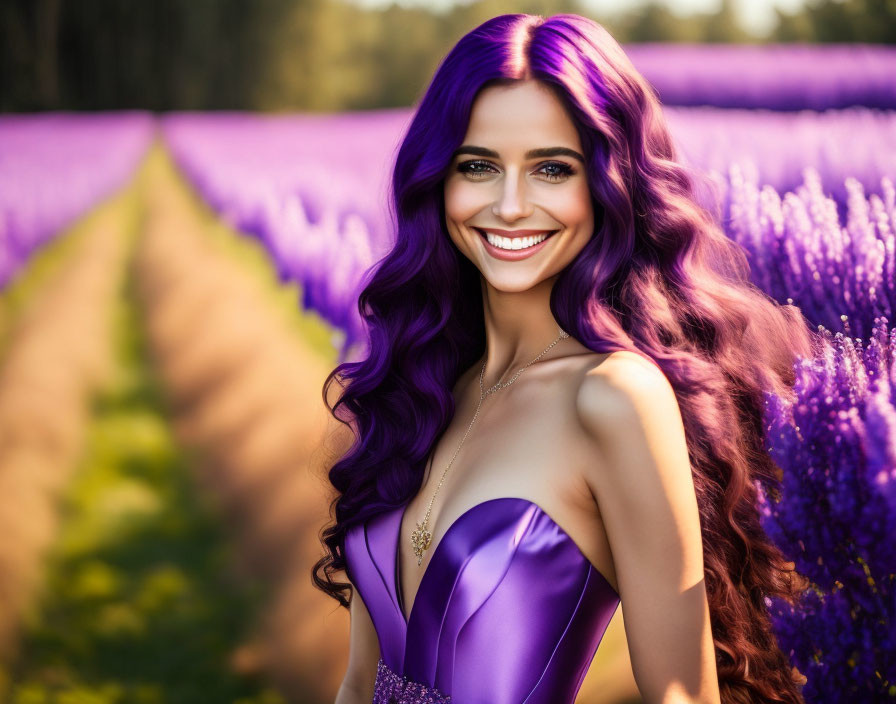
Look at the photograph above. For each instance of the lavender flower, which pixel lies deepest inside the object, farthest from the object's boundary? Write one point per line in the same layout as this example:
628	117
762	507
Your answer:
842	277
834	514
774	76
54	167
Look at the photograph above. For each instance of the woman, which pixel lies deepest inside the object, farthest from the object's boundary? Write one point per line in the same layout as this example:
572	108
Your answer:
561	406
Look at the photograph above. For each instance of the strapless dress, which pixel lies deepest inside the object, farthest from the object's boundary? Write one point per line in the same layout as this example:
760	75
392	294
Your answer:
509	610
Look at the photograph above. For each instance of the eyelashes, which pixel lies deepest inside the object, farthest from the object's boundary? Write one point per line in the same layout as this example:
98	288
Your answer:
561	170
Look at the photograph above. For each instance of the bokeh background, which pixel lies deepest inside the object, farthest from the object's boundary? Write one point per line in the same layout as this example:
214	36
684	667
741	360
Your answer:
190	194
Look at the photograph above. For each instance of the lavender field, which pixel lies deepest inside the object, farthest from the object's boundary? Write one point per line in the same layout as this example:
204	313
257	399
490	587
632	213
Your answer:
794	150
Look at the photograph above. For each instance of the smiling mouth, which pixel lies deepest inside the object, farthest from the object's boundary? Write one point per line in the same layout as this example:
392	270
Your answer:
515	244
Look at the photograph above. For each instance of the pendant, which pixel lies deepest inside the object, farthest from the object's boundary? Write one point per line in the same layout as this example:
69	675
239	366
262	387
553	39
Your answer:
420	539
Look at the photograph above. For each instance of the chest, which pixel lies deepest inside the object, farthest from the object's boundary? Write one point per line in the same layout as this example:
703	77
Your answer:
526	444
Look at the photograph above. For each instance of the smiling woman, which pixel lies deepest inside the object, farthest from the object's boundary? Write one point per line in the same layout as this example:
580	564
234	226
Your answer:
561	406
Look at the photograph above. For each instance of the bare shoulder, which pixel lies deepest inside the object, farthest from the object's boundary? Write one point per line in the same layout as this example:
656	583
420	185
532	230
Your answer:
623	387
641	473
641	477
632	422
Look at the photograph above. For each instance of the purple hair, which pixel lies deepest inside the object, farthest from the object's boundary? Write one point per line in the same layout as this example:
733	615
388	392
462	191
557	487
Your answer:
659	277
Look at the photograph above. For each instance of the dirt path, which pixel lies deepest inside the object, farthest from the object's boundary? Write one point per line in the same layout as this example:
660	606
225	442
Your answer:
245	393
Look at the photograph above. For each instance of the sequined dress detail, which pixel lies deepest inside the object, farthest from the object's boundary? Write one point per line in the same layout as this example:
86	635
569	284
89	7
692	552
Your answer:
508	611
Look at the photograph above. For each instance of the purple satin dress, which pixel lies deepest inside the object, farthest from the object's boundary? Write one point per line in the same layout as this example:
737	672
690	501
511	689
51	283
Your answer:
508	611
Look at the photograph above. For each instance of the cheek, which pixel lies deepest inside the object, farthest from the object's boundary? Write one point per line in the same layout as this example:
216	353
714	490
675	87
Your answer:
574	207
461	201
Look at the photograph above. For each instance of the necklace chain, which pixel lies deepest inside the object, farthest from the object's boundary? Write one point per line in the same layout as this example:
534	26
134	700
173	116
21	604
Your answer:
421	537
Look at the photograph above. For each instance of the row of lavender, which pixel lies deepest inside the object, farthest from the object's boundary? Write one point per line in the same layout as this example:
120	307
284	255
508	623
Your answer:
834	514
810	196
312	189
54	167
770	76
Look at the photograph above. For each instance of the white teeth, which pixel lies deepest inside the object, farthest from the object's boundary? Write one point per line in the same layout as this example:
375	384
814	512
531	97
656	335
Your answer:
514	242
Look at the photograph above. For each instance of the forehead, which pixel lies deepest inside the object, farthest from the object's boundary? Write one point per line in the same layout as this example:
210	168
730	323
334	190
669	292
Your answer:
523	114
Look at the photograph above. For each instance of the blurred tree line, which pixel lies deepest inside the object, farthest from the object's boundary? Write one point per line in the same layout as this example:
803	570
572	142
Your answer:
313	54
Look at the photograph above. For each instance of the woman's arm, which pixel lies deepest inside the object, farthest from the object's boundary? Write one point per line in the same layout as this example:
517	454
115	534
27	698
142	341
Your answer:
363	655
645	492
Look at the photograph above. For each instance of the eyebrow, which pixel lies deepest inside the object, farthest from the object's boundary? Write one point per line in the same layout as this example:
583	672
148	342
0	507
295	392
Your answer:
531	154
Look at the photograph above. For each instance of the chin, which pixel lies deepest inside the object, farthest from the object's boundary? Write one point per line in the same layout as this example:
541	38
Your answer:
514	284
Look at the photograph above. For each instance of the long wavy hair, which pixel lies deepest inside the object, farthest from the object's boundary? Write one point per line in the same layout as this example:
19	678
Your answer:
659	277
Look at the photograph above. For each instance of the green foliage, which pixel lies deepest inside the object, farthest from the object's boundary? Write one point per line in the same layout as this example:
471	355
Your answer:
871	21
317	55
656	22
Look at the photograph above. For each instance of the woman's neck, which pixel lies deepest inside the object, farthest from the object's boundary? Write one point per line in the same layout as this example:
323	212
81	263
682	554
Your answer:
519	325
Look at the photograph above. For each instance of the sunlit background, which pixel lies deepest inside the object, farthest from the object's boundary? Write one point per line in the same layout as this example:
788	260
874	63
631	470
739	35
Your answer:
190	193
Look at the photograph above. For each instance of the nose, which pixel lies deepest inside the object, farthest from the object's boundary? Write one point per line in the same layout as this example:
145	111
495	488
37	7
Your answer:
513	201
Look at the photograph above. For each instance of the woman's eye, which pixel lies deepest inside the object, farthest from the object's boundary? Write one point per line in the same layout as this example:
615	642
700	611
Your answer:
562	170
473	167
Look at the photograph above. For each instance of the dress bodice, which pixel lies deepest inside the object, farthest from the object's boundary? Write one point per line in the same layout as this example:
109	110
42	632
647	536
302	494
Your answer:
509	610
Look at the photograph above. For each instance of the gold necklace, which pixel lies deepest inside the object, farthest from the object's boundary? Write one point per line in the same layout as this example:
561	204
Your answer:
420	537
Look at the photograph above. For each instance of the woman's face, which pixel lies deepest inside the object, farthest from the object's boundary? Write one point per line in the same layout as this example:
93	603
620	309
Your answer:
519	175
